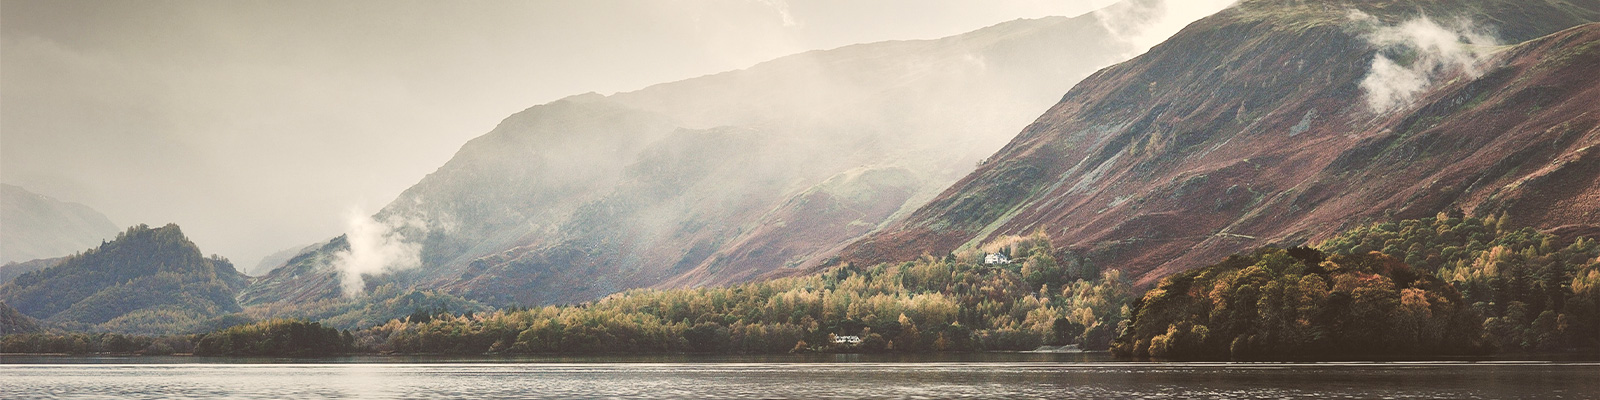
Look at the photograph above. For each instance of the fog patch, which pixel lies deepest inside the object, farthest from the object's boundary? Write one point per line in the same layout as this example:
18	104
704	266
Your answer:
782	7
1414	53
1145	23
377	245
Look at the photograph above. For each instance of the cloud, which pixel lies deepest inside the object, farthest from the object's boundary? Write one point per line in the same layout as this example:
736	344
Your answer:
783	11
1146	23
1414	53
376	246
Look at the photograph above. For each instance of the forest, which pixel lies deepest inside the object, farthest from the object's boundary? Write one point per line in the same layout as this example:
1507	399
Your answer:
1535	292
278	338
1435	286
954	303
146	281
1299	303
274	338
1427	287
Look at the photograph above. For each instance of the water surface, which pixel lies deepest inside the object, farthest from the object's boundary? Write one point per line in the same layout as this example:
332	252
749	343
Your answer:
828	376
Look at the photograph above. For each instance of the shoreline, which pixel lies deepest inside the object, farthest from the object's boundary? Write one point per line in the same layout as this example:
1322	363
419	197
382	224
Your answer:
1083	357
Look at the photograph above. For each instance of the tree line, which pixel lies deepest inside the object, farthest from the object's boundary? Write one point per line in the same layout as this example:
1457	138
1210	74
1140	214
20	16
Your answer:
953	303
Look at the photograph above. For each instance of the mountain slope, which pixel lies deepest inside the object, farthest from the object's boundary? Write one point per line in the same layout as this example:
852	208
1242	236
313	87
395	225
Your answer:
146	280
688	206
302	279
14	269
1255	126
15	322
277	259
33	226
725	177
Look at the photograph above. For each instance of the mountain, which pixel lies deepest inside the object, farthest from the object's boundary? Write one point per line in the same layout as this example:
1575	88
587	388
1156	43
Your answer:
14	269
34	226
302	279
1285	122
147	280
721	178
277	259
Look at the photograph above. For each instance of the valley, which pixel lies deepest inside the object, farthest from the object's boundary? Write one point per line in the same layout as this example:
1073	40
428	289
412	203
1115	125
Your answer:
1282	180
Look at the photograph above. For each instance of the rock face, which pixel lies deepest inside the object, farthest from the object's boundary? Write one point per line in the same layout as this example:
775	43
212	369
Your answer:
145	281
1257	126
720	178
34	226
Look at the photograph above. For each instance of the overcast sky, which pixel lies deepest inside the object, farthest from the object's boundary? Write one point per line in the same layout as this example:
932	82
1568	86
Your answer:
258	125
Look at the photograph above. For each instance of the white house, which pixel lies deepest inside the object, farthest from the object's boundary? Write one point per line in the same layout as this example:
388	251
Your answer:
996	258
847	339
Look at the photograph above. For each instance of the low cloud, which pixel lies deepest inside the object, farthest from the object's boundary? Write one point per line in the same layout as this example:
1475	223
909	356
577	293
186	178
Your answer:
782	7
376	246
1146	23
1414	53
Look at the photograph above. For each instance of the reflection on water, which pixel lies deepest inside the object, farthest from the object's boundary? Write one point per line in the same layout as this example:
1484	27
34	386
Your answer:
979	376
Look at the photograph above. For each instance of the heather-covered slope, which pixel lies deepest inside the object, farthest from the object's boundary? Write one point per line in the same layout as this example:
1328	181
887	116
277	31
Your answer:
34	226
1258	125
725	177
145	281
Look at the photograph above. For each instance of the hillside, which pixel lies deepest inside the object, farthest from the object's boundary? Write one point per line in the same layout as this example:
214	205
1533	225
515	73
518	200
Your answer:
12	270
1282	122
277	259
304	278
34	226
147	280
15	322
726	177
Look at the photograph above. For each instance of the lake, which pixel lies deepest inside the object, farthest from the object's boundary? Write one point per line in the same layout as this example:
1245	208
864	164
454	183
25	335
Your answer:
986	375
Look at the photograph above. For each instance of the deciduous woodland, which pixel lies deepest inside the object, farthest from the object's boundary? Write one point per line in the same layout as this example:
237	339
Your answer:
1428	287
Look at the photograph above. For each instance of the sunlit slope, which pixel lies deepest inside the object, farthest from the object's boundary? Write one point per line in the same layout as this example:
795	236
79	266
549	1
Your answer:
1256	126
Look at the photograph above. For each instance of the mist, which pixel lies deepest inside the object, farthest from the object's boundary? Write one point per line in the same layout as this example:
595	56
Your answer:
1144	24
1414	53
257	126
376	247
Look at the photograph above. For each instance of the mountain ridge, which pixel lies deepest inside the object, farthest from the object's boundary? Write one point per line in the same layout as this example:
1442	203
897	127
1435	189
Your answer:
563	201
1163	162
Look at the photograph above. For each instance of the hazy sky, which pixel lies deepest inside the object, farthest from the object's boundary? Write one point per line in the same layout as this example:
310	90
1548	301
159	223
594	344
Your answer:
259	125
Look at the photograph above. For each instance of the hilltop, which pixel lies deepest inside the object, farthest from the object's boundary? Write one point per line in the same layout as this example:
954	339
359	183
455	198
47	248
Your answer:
147	280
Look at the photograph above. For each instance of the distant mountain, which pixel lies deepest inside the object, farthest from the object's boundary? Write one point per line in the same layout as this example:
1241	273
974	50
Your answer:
721	178
14	269
1284	122
304	278
34	226
277	259
147	280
